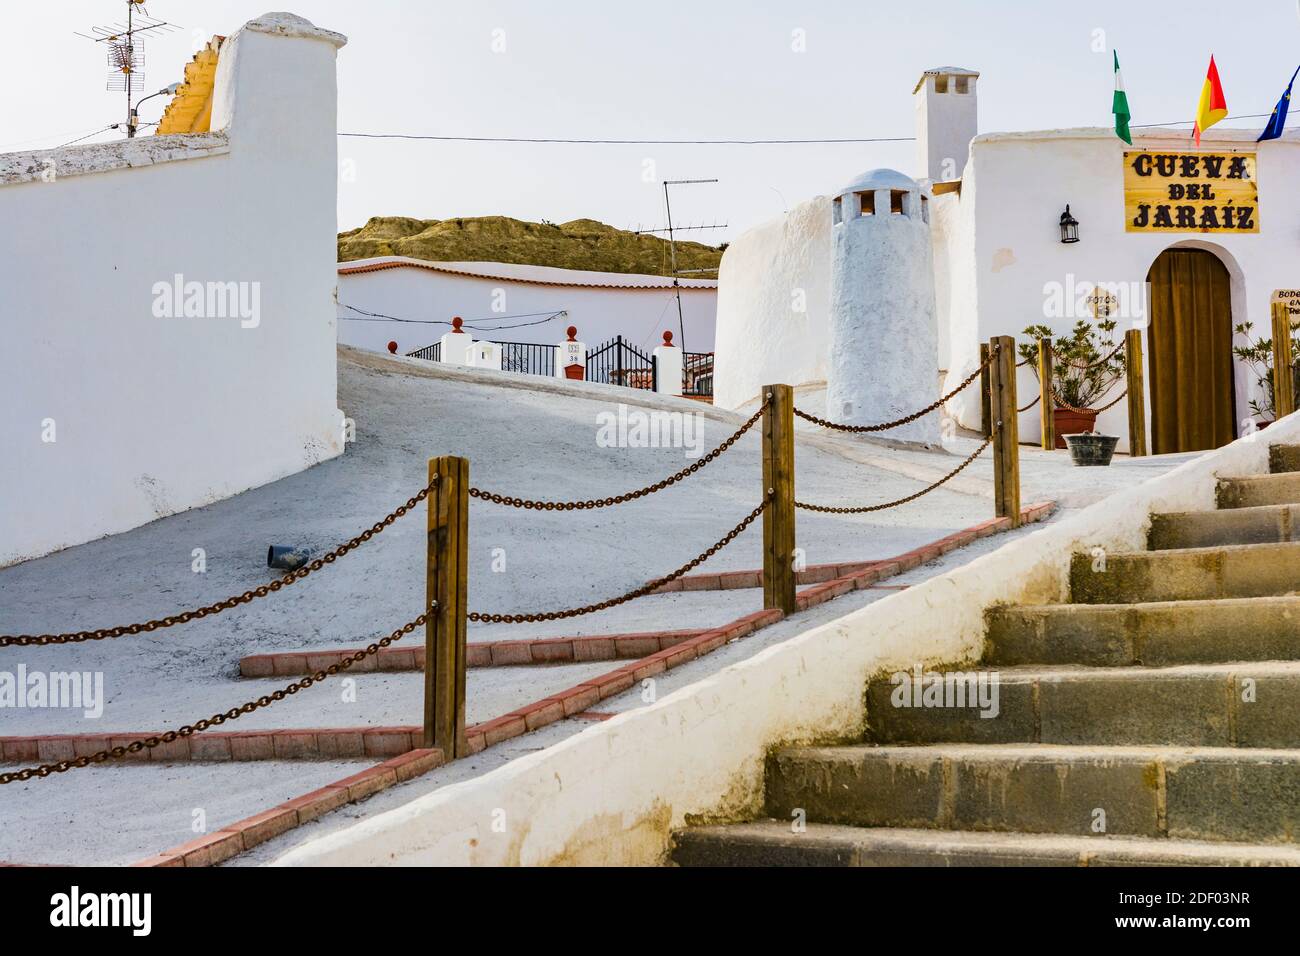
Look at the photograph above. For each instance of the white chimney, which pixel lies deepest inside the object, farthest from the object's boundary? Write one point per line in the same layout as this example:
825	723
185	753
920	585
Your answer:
947	117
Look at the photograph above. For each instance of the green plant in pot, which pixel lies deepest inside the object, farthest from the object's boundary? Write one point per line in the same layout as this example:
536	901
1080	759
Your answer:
1086	366
1258	355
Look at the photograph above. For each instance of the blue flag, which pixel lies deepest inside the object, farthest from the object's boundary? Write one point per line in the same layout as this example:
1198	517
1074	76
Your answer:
1278	121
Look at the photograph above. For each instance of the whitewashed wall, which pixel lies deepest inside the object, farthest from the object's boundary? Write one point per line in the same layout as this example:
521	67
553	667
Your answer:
599	310
1017	184
155	415
768	275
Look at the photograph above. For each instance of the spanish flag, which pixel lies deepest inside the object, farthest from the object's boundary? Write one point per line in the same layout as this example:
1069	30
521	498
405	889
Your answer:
1213	106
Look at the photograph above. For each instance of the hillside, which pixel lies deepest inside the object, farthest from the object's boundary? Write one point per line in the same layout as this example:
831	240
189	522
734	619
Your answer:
580	244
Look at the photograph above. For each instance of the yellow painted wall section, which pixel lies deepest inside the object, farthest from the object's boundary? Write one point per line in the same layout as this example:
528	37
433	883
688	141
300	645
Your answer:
190	110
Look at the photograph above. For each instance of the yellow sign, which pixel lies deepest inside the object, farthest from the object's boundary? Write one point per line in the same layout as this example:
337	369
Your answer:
1190	192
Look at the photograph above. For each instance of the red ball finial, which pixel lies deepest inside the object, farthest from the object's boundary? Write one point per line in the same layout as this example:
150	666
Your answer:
572	333
456	321
668	340
392	347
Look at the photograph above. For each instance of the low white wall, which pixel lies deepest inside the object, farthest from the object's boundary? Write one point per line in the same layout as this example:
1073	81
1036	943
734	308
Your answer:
600	311
767	276
612	794
153	414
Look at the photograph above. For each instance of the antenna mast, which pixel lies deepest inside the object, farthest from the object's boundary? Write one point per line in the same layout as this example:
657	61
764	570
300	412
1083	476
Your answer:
672	249
126	53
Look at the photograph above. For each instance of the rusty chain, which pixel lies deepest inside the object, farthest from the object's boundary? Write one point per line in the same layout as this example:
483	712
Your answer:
1060	403
1036	400
864	509
884	426
648	588
184	617
628	496
216	720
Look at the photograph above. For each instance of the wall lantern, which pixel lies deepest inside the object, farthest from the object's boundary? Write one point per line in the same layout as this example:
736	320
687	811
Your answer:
1069	226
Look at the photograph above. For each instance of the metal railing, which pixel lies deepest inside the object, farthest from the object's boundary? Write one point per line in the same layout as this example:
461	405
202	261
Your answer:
615	362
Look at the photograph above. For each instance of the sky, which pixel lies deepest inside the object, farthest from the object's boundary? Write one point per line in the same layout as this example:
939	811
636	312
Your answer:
669	69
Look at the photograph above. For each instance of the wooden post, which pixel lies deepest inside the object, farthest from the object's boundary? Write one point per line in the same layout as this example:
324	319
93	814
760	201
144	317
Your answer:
1137	400
778	519
1006	433
1045	394
985	415
1283	381
447	574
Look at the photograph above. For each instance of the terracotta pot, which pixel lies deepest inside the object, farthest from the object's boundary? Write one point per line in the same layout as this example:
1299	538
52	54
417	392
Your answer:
1072	423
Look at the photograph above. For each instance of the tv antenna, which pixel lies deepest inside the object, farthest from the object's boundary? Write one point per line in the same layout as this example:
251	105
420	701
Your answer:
672	247
125	52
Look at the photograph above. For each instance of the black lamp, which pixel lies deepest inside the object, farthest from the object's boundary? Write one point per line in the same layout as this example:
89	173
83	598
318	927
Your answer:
1069	226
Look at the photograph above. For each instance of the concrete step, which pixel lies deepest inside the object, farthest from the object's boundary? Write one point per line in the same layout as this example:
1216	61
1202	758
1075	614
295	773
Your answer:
1186	574
1282	488
1261	524
1204	705
1156	634
771	843
1195	793
1284	458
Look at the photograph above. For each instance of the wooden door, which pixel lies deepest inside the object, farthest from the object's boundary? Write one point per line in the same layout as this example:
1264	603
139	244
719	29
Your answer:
1189	348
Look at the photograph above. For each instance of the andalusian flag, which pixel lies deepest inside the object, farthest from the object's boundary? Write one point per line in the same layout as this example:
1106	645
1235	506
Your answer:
1213	105
1120	106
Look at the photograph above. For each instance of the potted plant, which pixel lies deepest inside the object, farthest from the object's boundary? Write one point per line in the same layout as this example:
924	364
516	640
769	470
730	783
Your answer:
1086	365
1258	355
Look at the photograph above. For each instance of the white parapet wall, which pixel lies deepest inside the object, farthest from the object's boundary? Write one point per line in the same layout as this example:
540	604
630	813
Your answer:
613	794
774	290
166	304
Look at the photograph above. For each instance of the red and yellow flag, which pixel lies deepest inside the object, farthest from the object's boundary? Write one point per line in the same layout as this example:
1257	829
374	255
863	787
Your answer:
1213	105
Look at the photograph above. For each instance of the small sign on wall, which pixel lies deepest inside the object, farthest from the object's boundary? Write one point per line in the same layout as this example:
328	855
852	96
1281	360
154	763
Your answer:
1103	303
1292	299
1190	192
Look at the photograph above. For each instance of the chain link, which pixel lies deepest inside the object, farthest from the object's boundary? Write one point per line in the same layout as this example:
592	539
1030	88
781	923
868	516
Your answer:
864	509
216	720
648	588
884	426
1036	400
629	496
184	617
1085	411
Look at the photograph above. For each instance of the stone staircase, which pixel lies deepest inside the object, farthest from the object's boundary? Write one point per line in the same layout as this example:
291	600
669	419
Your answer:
1154	721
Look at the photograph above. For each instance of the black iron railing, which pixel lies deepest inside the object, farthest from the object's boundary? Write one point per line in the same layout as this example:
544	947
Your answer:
616	362
527	358
697	373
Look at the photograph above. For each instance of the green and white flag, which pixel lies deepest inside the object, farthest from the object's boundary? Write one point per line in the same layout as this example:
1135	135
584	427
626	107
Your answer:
1120	106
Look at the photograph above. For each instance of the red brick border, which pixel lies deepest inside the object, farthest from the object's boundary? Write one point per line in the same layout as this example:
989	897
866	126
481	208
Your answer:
831	573
219	846
214	746
549	650
245	834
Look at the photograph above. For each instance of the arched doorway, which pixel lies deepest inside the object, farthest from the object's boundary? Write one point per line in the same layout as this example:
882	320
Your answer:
1189	348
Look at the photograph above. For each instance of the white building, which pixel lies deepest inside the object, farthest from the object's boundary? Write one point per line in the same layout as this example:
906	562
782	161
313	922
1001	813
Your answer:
410	301
1188	243
167	302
